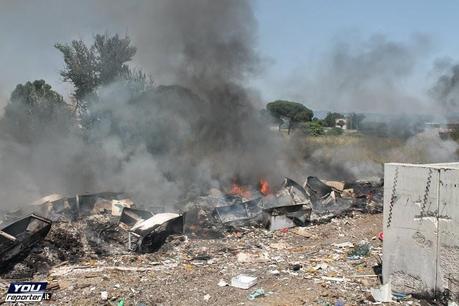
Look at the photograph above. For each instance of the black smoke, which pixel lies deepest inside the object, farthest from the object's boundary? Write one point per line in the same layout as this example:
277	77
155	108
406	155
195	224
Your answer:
197	131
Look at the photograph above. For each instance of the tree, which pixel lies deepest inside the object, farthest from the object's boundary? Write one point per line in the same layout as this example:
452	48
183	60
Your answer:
330	119
35	111
356	120
80	68
111	55
313	128
89	67
292	111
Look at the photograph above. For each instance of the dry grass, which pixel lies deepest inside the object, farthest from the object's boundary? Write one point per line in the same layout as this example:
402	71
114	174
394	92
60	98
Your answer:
356	155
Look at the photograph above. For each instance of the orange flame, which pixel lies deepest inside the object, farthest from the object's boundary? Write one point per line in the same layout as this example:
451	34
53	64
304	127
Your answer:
240	191
264	187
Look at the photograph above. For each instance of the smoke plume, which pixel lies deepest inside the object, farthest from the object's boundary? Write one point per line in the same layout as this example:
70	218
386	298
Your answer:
172	141
370	76
197	128
363	75
446	88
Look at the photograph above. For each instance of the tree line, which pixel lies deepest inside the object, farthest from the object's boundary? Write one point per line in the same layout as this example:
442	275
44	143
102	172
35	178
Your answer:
35	110
294	115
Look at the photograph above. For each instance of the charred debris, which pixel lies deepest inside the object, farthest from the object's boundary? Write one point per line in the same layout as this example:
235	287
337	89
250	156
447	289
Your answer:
59	229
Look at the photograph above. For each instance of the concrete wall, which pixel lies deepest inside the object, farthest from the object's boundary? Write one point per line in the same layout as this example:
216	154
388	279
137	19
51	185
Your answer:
421	227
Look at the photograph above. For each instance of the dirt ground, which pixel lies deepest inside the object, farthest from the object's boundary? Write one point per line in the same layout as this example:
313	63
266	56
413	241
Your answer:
302	266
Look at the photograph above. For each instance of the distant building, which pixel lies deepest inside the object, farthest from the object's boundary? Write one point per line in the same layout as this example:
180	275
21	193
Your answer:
342	123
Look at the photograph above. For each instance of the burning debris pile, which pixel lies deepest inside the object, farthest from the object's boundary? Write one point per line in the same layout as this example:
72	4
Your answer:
68	229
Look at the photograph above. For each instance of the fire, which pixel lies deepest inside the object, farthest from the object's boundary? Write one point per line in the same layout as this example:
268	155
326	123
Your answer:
240	191
245	191
264	187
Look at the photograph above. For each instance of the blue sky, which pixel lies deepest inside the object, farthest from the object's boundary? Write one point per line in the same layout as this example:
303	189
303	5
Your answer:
301	29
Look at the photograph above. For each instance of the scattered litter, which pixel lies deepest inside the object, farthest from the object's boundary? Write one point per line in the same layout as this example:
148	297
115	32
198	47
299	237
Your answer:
281	222
334	279
251	257
400	296
104	295
321	266
278	245
359	251
383	294
295	267
243	281
106	223
256	294
302	231
340	303
346	244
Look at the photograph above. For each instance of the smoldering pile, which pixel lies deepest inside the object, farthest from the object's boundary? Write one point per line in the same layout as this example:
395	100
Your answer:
90	226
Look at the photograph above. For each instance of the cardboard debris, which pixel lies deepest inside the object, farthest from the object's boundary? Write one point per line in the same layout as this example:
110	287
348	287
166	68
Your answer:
336	185
119	205
348	193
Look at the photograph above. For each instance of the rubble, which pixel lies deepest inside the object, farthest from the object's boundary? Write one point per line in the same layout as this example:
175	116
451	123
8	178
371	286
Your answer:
325	275
98	236
108	222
